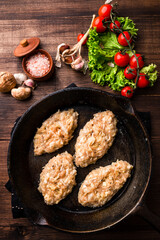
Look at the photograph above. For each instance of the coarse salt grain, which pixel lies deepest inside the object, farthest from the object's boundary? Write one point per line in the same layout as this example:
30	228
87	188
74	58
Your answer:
38	65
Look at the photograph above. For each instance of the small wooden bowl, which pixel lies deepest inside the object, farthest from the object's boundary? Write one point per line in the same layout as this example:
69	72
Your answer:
45	76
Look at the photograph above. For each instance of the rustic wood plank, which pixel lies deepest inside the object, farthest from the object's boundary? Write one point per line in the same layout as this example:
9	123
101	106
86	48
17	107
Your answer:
33	232
54	22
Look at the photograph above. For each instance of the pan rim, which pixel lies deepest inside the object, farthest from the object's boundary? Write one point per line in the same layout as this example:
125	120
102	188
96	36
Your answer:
144	131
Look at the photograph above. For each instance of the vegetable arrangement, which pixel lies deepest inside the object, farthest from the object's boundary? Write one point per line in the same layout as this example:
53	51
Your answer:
112	59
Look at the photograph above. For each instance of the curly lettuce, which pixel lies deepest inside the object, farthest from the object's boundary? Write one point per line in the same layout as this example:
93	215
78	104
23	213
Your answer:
151	72
101	51
128	25
102	48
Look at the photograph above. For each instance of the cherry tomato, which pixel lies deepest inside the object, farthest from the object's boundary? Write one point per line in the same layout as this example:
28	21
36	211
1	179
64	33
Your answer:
130	72
121	59
122	40
115	25
105	11
98	24
142	81
133	61
79	38
127	92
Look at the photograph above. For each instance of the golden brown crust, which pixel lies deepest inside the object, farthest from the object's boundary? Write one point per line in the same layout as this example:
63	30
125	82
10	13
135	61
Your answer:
57	178
101	184
55	132
95	138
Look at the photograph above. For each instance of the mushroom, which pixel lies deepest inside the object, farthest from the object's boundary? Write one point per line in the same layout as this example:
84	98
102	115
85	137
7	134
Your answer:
7	82
21	93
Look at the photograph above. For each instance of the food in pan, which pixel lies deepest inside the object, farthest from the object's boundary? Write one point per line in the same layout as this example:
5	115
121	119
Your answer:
57	178
101	184
55	132
95	138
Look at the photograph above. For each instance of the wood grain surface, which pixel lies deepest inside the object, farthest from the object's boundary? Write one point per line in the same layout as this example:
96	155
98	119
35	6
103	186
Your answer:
55	22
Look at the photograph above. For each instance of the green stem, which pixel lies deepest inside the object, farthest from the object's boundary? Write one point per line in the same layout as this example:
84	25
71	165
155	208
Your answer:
130	47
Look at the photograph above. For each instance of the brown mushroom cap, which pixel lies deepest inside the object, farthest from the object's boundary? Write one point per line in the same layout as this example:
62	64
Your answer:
21	93
7	81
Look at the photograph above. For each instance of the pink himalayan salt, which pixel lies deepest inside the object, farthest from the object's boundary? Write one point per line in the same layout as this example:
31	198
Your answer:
38	65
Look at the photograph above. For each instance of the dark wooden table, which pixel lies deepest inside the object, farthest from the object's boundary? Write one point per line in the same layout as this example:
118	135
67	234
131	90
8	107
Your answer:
55	22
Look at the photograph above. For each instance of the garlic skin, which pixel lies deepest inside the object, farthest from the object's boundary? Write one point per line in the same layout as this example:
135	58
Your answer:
108	1
80	64
63	48
20	78
68	55
60	49
30	83
77	61
7	82
21	93
110	64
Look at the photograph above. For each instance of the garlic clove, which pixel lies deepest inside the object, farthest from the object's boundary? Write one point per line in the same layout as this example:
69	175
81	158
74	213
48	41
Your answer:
20	78
30	83
81	66
68	59
77	61
78	66
110	64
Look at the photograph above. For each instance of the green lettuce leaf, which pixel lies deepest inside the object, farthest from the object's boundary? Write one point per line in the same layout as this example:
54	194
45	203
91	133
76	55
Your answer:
128	25
151	72
105	76
112	76
109	41
102	48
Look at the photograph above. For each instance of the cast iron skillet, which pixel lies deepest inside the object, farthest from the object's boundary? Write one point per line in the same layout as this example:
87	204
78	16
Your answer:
131	144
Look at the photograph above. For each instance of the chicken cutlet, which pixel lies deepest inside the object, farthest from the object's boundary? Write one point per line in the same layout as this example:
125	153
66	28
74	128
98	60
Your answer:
95	138
57	178
55	132
101	184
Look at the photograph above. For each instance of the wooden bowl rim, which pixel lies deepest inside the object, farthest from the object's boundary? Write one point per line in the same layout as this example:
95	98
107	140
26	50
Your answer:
45	76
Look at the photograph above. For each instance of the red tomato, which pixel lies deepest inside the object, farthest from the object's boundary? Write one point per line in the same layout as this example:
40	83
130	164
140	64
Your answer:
142	81
130	72
121	59
98	24
127	92
105	11
114	26
79	38
133	61
122	40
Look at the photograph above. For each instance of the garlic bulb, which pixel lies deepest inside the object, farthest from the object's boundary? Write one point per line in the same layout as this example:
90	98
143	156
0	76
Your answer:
20	78
69	55
30	83
80	64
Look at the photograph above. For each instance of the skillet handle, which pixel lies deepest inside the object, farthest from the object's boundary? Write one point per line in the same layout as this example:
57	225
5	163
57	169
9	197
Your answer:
149	216
125	104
